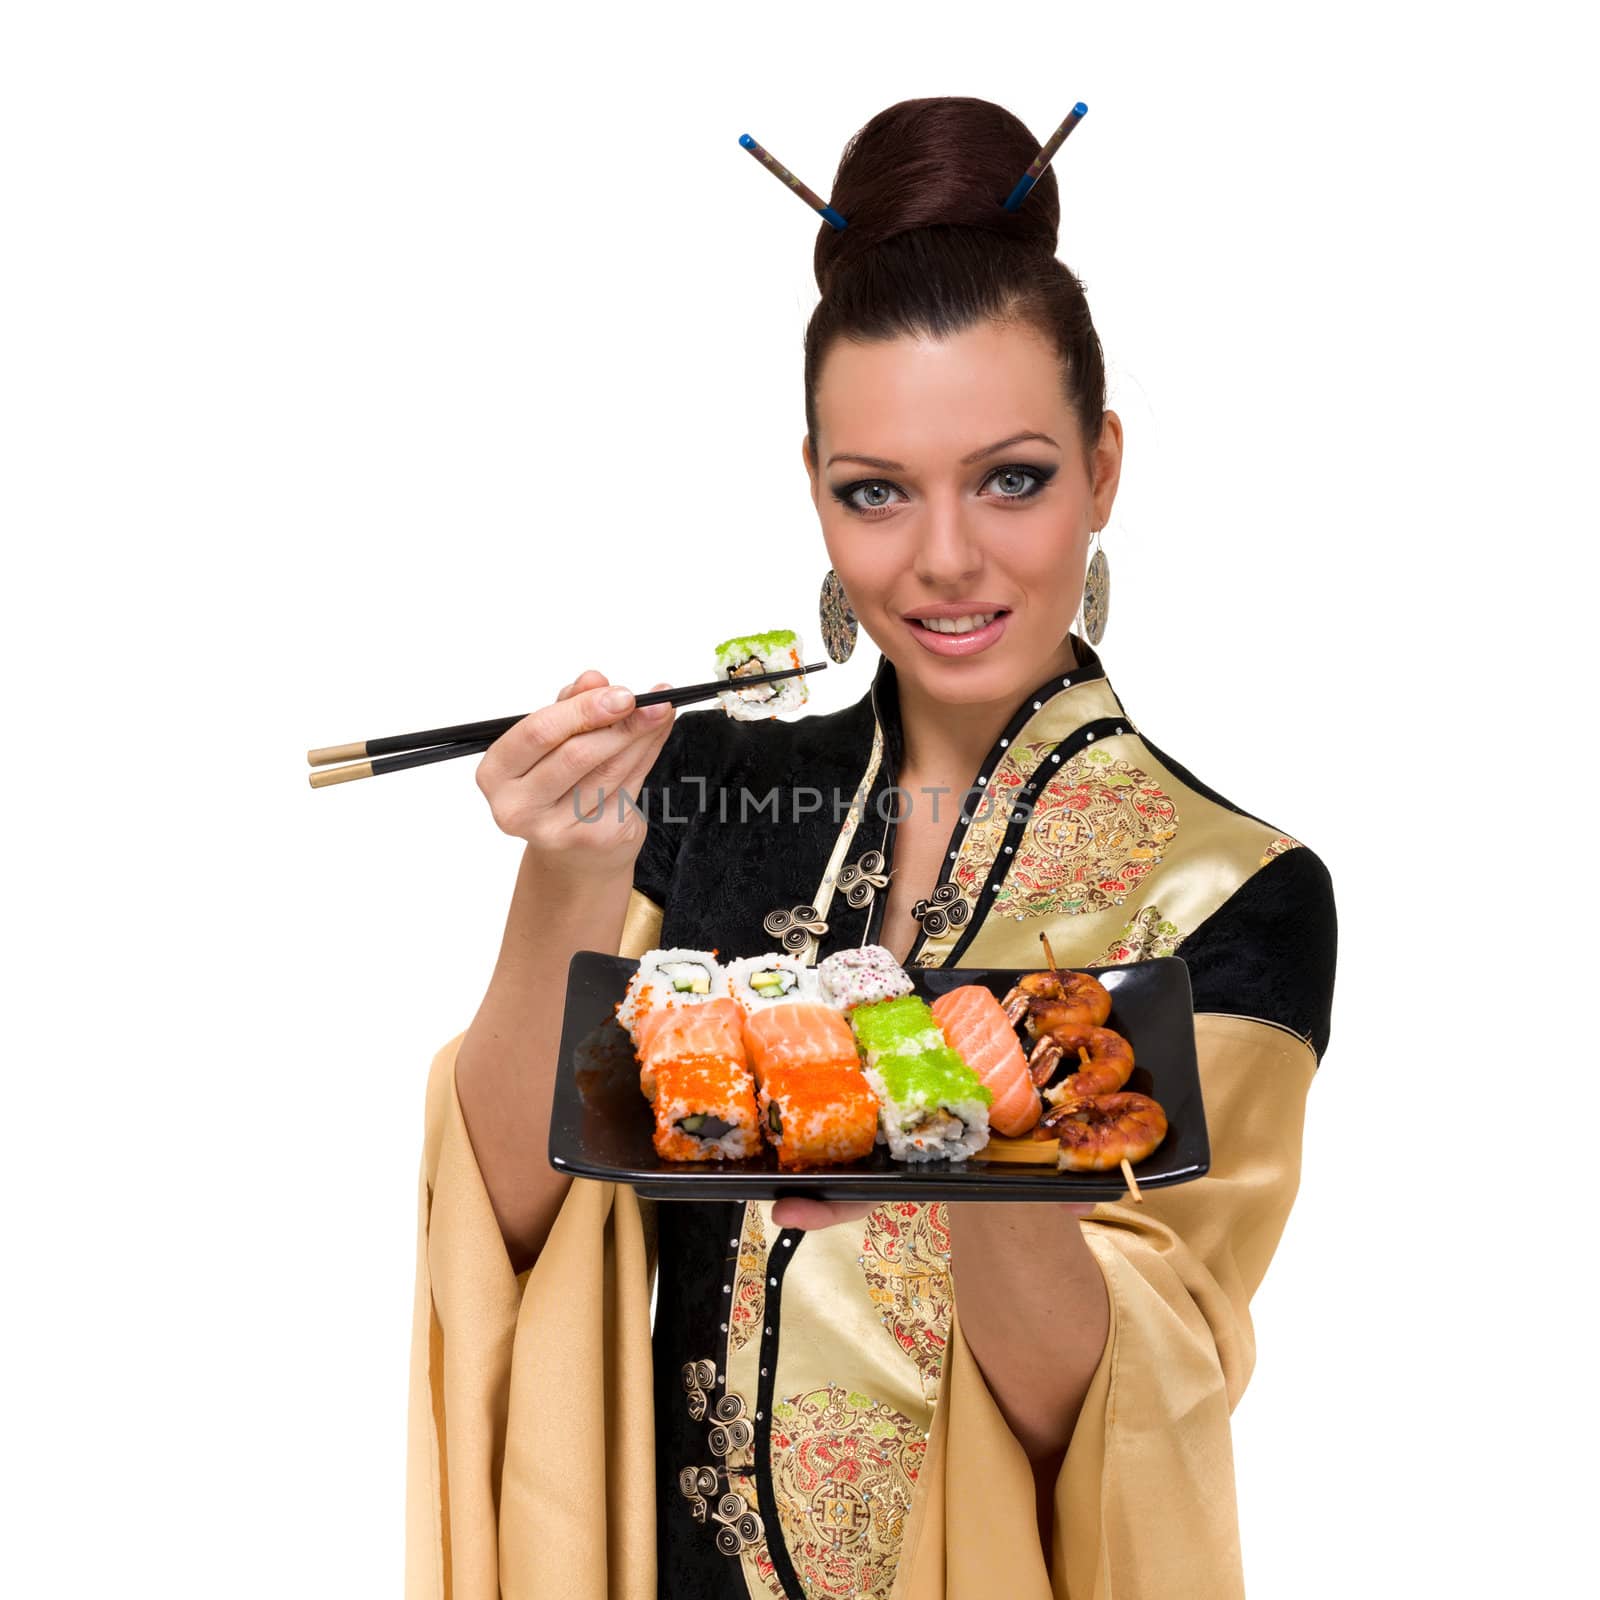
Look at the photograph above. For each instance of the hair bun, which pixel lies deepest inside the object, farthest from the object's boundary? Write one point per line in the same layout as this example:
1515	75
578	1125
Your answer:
946	161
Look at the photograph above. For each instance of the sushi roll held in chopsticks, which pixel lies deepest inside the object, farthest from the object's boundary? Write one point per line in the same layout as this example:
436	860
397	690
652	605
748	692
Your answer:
672	977
754	653
705	1110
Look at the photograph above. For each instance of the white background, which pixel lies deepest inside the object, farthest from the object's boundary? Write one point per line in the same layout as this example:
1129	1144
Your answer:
373	366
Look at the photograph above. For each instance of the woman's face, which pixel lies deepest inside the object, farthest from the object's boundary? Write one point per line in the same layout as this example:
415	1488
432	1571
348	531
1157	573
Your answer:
940	501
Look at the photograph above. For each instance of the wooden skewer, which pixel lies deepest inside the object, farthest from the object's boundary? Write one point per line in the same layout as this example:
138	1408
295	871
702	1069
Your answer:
1083	1057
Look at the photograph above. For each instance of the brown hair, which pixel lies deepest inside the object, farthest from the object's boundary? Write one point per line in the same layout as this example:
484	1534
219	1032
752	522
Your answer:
930	250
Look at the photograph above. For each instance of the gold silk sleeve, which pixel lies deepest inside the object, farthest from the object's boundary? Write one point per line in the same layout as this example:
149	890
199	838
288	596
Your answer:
1144	1501
530	1463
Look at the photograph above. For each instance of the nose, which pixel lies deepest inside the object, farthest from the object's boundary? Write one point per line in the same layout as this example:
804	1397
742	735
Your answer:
948	554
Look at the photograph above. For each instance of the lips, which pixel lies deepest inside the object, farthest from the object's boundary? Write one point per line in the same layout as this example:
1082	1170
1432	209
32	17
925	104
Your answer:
957	630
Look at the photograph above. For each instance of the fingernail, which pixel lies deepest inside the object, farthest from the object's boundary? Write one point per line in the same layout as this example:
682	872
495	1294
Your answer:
656	712
616	699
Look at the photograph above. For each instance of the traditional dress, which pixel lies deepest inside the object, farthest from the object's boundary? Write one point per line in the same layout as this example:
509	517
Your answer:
558	1447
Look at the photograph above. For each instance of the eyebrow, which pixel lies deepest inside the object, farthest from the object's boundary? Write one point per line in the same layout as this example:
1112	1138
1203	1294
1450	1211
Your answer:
966	461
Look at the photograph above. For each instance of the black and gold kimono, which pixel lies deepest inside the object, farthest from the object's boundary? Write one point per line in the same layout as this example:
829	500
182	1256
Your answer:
561	1446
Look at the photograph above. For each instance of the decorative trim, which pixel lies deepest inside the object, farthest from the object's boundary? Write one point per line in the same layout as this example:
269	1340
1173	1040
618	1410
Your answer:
778	1262
858	805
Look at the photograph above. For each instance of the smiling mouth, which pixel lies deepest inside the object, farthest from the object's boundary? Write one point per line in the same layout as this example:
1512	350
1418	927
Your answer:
966	624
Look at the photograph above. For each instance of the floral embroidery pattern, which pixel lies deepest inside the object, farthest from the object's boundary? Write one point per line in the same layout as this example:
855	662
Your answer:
1278	846
745	1316
991	814
1148	935
905	1260
1098	829
844	1469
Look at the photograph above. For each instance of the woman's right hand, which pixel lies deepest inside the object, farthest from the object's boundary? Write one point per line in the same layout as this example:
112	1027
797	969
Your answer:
541	773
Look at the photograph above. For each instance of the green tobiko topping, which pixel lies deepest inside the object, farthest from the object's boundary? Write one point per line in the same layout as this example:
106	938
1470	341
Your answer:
759	644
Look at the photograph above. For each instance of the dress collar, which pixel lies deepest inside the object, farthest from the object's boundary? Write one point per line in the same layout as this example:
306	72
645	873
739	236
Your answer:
1052	710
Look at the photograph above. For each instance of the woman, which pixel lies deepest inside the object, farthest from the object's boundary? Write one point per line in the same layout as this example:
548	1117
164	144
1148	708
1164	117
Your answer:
954	1399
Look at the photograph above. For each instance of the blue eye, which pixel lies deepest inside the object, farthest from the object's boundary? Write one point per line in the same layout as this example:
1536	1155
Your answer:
846	495
1019	472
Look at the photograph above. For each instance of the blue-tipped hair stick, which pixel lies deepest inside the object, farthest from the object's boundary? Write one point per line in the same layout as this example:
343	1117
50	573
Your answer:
1042	160
778	170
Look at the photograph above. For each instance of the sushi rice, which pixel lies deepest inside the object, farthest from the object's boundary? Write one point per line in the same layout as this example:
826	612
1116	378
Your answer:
754	653
671	977
705	1110
760	981
932	1106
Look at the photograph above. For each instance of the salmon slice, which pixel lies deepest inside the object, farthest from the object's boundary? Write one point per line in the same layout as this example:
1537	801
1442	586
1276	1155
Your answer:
708	1027
800	1033
708	1030
981	1034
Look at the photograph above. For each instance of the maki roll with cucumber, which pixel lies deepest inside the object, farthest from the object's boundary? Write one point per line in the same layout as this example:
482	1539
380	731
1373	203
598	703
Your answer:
673	977
705	1110
759	981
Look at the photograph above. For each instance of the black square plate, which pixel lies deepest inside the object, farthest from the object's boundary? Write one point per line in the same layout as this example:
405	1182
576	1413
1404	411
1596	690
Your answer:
601	1124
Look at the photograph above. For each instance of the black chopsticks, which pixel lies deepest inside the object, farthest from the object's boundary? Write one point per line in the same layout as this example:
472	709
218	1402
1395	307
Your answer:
397	752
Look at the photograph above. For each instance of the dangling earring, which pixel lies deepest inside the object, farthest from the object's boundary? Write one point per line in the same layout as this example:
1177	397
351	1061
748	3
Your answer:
1095	606
839	623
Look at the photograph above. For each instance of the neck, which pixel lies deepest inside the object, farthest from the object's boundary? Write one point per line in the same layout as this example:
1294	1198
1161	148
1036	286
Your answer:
945	742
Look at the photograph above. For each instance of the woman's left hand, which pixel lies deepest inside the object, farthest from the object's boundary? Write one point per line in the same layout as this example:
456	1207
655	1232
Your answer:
797	1213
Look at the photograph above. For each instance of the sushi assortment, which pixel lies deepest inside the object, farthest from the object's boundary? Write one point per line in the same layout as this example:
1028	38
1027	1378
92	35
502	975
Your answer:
822	1065
749	655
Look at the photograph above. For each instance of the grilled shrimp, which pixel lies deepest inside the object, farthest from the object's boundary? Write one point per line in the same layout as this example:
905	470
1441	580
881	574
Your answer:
1102	1131
1105	1057
1057	996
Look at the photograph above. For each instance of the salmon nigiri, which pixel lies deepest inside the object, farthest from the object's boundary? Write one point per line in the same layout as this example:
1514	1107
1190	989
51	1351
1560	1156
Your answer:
799	1033
981	1034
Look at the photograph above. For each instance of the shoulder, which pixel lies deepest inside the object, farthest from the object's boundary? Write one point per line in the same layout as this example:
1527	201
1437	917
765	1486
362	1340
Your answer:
1267	946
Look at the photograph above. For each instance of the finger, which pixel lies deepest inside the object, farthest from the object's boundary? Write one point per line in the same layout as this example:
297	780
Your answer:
561	787
795	1212
522	746
616	784
590	678
627	766
615	758
1078	1208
